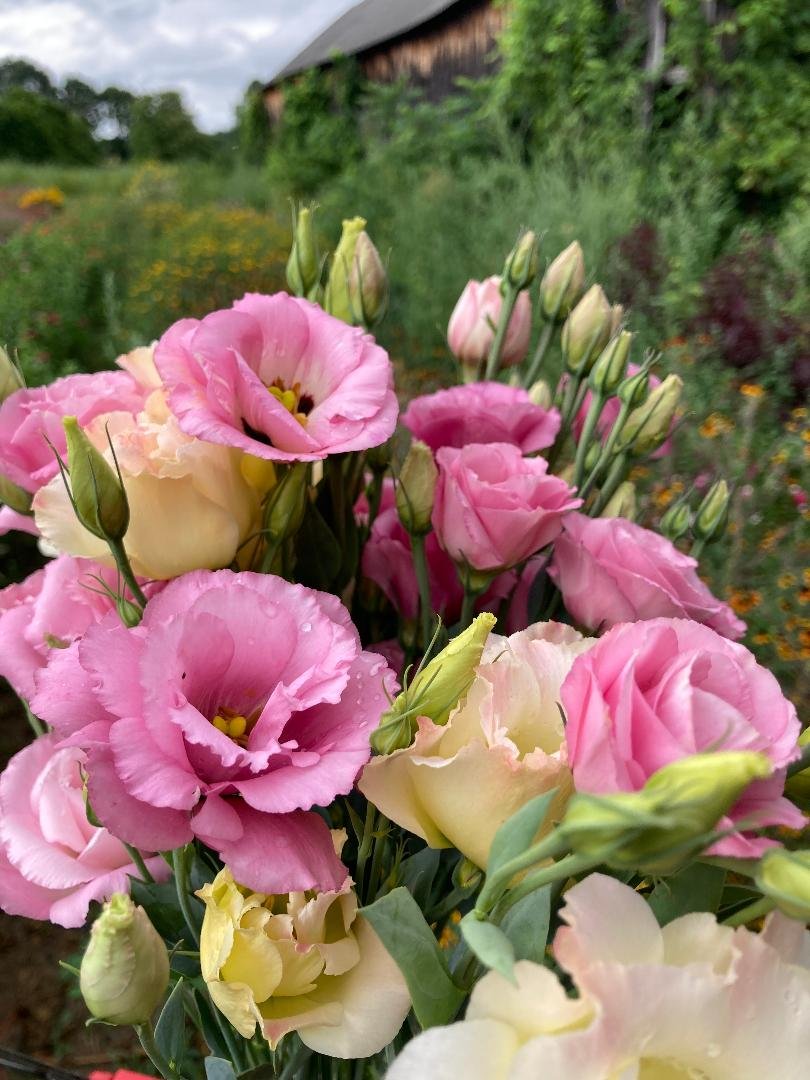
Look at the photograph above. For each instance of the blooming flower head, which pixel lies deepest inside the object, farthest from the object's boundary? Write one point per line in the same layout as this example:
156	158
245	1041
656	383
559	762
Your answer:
471	332
649	693
482	412
504	743
53	862
304	962
494	508
237	704
31	418
610	570
693	999
277	377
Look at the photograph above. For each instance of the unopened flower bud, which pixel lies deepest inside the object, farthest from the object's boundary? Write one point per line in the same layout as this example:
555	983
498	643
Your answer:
416	486
670	820
287	504
378	458
712	514
129	613
562	283
368	283
633	390
466	874
609	369
676	521
648	426
125	969
520	269
797	786
616	318
303	265
540	394
10	377
336	298
622	503
586	331
396	732
97	493
784	876
14	497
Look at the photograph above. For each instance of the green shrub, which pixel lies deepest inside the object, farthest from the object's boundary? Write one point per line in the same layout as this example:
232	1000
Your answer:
33	128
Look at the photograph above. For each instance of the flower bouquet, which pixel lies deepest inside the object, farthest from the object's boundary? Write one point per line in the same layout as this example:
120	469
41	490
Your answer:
386	740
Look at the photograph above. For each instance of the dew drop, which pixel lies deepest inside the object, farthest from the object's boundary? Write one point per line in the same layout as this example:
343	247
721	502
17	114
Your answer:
306	627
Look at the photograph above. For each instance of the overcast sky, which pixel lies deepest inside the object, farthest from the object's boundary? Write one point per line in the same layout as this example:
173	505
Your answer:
208	49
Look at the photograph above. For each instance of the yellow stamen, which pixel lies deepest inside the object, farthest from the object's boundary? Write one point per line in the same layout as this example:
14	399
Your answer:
221	724
237	727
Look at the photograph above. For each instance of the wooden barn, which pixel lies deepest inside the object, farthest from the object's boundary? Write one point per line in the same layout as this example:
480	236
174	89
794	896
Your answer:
428	42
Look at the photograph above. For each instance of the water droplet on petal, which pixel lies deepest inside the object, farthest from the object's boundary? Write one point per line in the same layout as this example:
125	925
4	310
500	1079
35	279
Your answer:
306	627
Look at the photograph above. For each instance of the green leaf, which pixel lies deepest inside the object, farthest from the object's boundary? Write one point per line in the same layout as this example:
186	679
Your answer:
490	944
698	887
526	925
418	873
401	927
260	1072
318	551
209	1026
217	1068
519	831
170	1030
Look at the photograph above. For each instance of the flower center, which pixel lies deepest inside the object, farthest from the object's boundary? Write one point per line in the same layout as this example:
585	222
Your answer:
234	724
296	403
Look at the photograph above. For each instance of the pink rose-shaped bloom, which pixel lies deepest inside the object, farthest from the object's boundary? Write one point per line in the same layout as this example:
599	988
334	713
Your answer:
53	862
239	702
470	333
494	508
650	693
11	521
482	412
610	571
279	378
29	418
388	562
48	610
610	413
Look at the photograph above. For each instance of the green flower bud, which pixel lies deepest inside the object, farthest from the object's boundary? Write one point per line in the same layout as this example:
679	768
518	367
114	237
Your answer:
466	874
676	521
648	426
540	394
129	613
10	378
368	283
633	390
336	298
784	876
378	458
586	331
670	820
797	787
287	504
97	493
562	282
616	319
712	514
416	487
303	265
396	732
14	496
622	503
125	970
520	268
608	371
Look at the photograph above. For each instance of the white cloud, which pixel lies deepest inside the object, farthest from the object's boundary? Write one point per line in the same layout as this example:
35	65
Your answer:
207	49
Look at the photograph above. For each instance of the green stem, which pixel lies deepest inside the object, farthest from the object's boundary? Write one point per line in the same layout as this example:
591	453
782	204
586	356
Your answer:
140	865
181	885
496	883
380	844
543	343
37	726
423	581
468	607
696	550
591	420
546	875
614	478
750	912
125	569
364	849
147	1038
507	307
607	450
567	409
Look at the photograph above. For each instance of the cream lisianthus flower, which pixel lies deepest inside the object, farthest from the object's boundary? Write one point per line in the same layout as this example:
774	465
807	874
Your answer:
692	1001
459	782
191	505
303	962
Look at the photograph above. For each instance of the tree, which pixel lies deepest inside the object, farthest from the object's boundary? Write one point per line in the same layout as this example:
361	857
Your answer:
33	128
17	73
162	129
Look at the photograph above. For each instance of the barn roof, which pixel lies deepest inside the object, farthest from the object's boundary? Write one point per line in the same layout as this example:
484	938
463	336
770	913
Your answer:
367	23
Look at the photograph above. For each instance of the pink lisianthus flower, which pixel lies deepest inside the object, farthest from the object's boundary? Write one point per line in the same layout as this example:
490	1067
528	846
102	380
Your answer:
53	862
239	703
494	508
650	693
277	377
388	562
49	610
470	331
482	412
29	418
611	571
